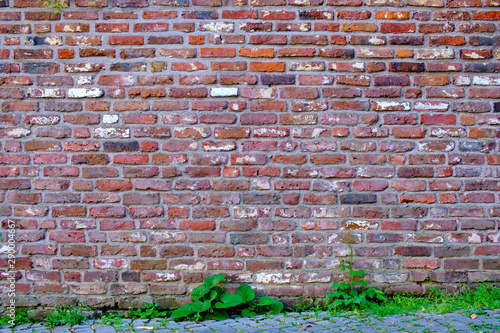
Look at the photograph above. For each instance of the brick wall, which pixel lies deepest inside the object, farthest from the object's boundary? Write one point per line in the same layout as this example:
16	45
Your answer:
147	144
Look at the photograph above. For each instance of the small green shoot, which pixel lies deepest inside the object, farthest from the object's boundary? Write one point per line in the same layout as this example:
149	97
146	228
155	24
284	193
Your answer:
58	5
353	295
21	317
147	311
67	316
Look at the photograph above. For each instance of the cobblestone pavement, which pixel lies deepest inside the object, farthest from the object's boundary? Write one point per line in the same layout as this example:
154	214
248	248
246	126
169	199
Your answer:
291	322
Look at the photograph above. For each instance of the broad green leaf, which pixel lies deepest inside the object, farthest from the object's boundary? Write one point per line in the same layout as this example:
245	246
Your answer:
207	285
199	306
212	295
212	280
275	306
247	313
183	311
199	292
229	300
246	292
218	315
219	291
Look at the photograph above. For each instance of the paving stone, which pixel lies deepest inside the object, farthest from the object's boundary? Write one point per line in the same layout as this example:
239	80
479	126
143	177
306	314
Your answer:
23	331
84	330
105	329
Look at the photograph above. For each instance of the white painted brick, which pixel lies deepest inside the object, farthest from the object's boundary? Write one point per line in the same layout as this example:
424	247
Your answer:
111	133
223	92
110	118
85	93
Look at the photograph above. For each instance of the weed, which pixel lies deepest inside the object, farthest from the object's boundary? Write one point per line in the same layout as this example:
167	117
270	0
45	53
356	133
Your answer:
58	5
21	317
437	301
307	305
67	316
147	311
210	301
113	319
353	295
485	326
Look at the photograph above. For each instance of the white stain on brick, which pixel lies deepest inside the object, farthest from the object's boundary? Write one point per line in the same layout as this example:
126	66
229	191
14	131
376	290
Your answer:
436	54
390	278
84	80
436	239
486	81
185	267
46	93
424	147
261	184
4	249
426	106
85	93
247	159
474	55
54	41
249	212
304	27
226	147
234	106
270	132
223	92
79	68
278	278
137	237
382	106
461	80
359	65
474	238
69	28
166	277
45	263
25	29
306	66
327	212
110	118
80	224
204	132
441	132
494	237
110	263
365	53
361	225
168	236
110	132
44	120
17	132
376	41
218	27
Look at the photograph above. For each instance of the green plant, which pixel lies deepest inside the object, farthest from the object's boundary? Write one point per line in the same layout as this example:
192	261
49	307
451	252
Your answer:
147	311
21	317
354	294
210	301
67	316
437	301
114	320
310	305
57	4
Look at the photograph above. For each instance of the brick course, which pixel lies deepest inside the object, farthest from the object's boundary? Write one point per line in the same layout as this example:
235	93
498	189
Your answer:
148	144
